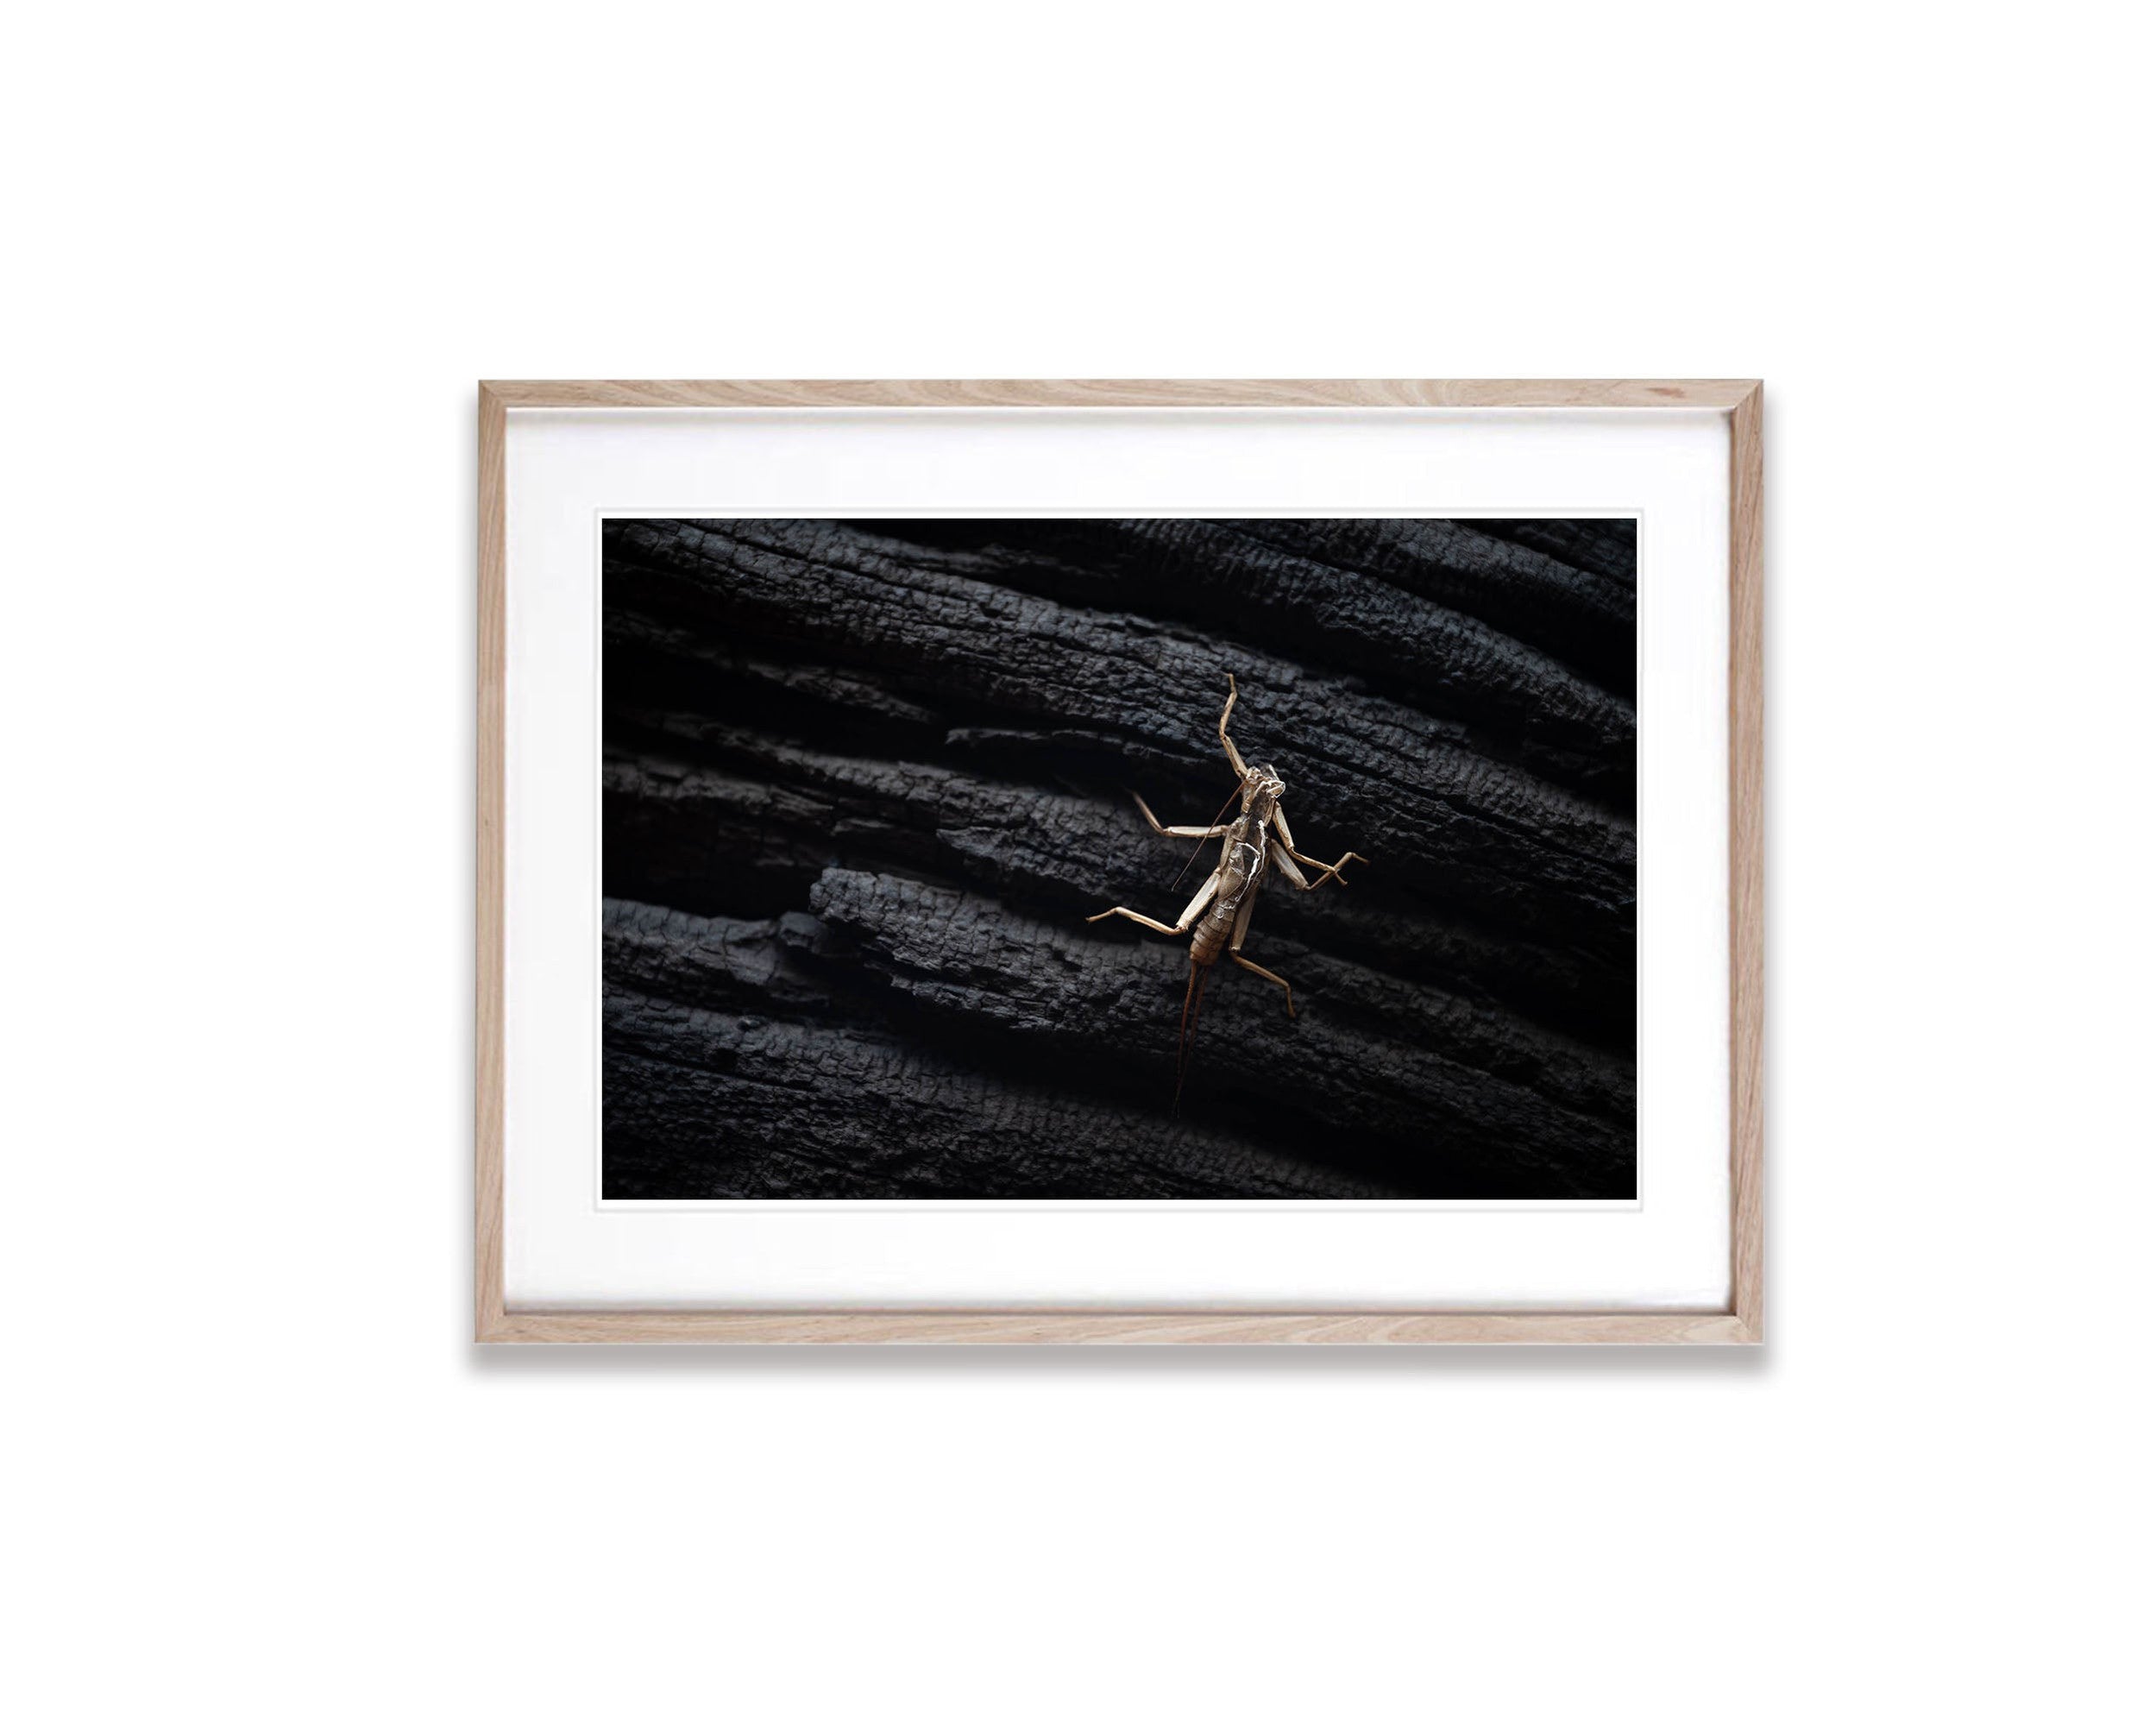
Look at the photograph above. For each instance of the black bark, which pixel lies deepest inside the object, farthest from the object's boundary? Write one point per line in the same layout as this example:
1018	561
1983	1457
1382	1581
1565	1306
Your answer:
865	781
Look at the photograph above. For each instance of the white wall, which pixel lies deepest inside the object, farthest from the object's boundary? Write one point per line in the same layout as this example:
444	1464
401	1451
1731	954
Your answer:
260	255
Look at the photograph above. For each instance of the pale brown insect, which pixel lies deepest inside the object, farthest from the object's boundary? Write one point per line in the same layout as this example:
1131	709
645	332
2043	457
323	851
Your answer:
1252	844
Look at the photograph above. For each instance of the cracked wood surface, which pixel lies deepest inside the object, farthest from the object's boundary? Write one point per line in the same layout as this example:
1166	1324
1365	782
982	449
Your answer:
863	782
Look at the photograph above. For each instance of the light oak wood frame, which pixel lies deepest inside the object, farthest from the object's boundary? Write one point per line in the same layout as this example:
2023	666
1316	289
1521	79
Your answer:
1737	398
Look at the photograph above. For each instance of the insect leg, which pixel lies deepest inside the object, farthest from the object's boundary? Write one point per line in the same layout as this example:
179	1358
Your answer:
1226	741
1285	864
1189	912
1285	859
1118	910
1331	871
1235	952
1153	822
1204	897
1281	981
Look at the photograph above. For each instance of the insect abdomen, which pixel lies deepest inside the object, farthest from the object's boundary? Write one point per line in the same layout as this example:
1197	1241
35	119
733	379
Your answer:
1212	935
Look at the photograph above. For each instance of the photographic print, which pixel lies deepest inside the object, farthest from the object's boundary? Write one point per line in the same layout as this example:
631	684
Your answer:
1075	859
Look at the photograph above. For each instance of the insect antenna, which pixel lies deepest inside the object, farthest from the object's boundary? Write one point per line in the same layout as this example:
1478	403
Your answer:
1202	843
1186	1036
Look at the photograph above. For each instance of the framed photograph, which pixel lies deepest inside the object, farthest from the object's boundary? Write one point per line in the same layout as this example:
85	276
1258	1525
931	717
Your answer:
1095	861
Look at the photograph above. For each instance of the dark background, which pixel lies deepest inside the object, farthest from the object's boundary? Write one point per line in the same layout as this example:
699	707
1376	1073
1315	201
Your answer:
865	781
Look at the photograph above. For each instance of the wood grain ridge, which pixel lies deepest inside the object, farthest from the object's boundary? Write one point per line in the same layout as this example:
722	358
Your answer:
1718	393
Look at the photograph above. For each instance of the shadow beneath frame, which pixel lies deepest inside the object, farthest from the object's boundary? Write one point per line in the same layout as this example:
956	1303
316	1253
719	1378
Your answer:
930	1361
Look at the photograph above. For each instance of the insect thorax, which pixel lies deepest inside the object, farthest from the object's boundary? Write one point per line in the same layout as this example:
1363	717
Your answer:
1262	790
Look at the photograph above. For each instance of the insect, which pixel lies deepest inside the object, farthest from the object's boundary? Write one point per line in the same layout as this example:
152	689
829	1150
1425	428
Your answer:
1252	844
